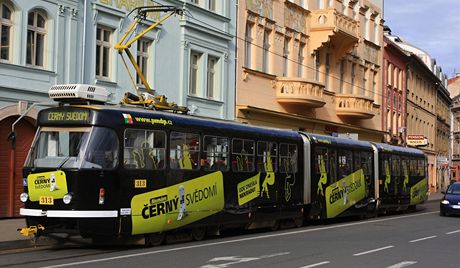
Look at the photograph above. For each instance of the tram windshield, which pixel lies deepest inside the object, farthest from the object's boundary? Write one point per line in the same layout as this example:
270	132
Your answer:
76	147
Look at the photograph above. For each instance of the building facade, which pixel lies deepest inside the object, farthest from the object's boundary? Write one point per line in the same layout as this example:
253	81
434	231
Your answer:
190	58
311	65
454	90
418	89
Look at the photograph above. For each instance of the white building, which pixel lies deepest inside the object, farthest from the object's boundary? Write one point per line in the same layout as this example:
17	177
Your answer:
188	58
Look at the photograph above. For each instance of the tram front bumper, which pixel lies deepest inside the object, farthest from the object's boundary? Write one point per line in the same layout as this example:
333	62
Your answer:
68	213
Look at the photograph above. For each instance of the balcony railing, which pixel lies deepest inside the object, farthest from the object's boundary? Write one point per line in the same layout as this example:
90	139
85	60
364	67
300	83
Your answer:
298	91
360	107
328	25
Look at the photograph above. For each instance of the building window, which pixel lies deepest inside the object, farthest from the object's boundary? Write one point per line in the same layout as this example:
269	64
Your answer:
103	36
328	70
366	28
248	44
266	52
5	30
286	56
342	76
212	5
194	72
212	77
142	58
353	67
317	64
365	73
300	70
36	32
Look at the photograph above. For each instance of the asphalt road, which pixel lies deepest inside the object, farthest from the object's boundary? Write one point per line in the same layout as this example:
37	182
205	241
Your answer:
419	239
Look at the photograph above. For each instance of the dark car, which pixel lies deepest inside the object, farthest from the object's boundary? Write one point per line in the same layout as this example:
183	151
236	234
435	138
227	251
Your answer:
450	203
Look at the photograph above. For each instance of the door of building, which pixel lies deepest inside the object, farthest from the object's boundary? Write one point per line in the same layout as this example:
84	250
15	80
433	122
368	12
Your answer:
11	163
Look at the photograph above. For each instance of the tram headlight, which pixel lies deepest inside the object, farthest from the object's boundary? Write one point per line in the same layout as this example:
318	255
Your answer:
445	202
67	198
24	197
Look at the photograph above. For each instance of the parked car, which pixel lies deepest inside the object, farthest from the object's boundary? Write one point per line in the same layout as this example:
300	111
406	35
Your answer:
450	203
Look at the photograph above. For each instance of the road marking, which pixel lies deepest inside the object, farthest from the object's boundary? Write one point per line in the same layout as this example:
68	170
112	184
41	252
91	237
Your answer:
402	264
372	251
453	232
231	260
316	264
421	239
237	240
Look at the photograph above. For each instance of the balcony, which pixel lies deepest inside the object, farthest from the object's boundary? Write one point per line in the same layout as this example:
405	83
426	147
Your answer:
328	25
358	107
299	91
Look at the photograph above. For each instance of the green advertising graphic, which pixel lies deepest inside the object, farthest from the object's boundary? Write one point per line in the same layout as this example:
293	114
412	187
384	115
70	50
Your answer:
248	189
345	193
418	192
177	205
47	186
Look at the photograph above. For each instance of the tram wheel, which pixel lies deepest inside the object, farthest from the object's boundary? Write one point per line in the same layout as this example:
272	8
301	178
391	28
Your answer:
155	239
298	222
198	233
276	225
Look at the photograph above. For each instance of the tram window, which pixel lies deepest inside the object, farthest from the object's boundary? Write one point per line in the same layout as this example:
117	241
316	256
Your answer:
215	153
395	166
288	158
413	167
386	166
421	167
243	155
363	160
345	160
266	156
184	151
58	147
102	151
321	164
144	149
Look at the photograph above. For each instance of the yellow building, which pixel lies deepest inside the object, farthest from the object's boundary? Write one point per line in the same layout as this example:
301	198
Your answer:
313	65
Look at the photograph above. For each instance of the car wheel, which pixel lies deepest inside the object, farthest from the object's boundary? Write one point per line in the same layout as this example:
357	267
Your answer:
442	213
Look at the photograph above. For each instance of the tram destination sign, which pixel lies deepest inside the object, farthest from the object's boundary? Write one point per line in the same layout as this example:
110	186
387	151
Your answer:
65	116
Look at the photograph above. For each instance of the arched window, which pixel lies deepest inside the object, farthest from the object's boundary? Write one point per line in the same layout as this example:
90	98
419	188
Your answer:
36	33
6	23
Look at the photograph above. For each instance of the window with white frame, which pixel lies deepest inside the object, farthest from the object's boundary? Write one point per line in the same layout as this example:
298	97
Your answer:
212	5
195	70
212	77
103	45
266	52
5	31
36	32
248	45
142	58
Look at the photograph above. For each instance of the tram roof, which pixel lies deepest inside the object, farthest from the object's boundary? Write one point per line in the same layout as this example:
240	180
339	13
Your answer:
383	147
323	139
115	115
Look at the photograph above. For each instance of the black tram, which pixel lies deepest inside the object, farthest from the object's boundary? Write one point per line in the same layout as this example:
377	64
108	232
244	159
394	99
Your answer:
104	171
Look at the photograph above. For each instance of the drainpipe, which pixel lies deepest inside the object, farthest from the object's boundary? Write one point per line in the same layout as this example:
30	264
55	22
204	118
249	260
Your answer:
83	50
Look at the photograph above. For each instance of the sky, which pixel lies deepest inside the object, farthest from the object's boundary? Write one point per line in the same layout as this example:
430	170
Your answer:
431	25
